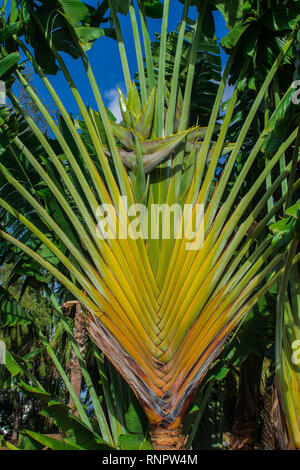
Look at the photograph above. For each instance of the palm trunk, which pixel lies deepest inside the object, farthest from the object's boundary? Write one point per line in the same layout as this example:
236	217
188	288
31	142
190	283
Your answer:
16	425
269	432
79	332
75	379
244	432
167	439
15	430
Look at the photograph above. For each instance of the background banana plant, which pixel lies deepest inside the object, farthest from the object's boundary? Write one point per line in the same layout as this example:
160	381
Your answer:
161	313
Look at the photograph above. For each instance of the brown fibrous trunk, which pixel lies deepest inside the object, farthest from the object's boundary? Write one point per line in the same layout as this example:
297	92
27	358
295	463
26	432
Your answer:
15	430
167	439
79	332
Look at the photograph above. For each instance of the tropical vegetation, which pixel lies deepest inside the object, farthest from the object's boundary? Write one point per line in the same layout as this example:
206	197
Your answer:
147	334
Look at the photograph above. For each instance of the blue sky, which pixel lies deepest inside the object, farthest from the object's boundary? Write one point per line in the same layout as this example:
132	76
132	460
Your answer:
105	61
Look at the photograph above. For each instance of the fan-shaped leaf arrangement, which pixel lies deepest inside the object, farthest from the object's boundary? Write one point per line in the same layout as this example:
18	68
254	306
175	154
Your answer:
161	296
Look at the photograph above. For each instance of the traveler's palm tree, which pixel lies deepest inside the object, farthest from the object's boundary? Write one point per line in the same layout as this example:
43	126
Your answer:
161	307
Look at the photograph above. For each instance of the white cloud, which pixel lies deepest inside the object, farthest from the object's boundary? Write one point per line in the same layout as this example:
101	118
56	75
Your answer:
112	96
